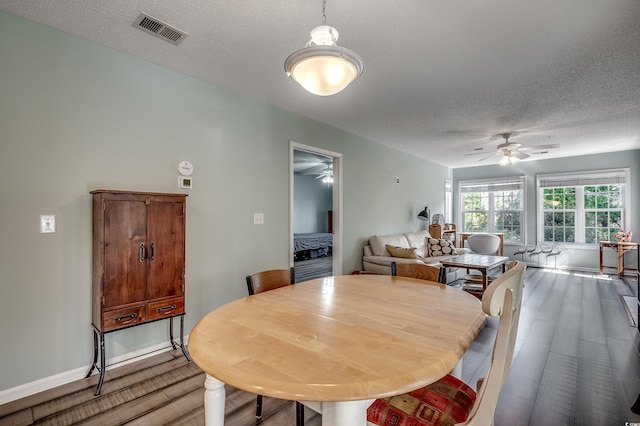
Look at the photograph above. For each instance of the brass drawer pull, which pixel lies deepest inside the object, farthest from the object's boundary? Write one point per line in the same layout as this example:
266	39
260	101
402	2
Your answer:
125	319
166	309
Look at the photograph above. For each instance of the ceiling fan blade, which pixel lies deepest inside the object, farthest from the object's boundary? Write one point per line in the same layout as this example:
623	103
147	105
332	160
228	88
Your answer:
315	169
482	152
540	147
519	154
488	156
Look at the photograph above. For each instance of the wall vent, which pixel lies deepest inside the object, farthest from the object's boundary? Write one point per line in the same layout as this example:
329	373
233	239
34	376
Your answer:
159	29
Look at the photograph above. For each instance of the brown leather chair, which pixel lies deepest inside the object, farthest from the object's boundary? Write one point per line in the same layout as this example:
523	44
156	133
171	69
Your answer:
420	271
265	281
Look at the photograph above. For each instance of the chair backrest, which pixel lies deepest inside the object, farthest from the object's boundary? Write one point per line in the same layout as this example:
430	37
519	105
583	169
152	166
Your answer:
420	271
483	243
268	280
502	297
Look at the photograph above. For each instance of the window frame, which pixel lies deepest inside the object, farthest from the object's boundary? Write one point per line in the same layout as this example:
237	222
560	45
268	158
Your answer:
492	186
580	180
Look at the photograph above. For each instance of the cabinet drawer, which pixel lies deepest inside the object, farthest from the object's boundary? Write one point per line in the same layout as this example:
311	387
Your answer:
124	317
166	308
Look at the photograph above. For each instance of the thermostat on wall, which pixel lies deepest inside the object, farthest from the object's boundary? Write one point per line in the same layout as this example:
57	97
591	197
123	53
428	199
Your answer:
186	182
185	168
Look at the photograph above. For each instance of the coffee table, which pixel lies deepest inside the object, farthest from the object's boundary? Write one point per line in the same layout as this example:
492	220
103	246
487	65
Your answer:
480	262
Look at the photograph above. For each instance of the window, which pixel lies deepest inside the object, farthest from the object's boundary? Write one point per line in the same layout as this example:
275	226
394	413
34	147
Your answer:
495	205
448	200
582	208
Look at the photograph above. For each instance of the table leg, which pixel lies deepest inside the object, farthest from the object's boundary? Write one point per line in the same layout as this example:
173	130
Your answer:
601	265
485	278
348	413
620	261
214	397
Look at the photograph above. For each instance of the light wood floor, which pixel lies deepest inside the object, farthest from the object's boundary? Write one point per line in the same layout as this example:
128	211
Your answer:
577	363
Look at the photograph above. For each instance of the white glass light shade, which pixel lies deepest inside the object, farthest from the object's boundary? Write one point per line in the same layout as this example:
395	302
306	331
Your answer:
323	68
508	159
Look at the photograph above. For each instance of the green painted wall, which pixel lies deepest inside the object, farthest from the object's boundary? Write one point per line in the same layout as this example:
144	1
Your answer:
76	116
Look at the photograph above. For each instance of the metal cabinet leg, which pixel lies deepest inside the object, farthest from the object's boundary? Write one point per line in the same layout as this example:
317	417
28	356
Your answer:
103	366
98	340
94	363
175	345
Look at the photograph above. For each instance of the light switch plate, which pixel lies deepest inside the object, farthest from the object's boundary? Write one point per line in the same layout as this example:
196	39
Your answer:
47	224
258	218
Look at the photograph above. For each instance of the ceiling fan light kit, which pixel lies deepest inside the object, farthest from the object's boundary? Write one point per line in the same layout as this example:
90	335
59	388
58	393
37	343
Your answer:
322	67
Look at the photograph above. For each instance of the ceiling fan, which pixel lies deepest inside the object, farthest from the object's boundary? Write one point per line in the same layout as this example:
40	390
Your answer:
513	152
326	175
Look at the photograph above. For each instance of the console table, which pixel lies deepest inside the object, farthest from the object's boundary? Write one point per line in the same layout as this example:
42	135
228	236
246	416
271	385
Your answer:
621	248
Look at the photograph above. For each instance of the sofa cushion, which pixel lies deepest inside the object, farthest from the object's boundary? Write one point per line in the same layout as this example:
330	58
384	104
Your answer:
417	239
440	247
407	253
378	243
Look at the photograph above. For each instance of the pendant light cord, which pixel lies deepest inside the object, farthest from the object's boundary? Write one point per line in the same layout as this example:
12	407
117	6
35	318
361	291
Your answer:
324	12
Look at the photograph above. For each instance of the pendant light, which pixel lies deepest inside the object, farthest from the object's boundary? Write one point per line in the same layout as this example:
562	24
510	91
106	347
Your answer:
322	67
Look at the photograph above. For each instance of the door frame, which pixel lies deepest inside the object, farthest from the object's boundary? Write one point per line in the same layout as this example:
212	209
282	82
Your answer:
337	201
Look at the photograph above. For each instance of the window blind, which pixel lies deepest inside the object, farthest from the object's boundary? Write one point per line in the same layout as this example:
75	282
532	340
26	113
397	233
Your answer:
594	178
511	184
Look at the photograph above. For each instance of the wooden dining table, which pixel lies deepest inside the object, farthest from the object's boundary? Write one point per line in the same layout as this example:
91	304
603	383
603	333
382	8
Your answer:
335	343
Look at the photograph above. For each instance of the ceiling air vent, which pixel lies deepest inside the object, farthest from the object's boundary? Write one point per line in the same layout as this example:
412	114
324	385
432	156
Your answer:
159	29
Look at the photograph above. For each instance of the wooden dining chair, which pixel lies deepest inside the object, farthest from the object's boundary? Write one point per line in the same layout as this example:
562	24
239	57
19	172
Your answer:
420	271
265	281
449	400
269	280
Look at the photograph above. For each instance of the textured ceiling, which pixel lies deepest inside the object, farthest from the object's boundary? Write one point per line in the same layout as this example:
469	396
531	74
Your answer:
441	77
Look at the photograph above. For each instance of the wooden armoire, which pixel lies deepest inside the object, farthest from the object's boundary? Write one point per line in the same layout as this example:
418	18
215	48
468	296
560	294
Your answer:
138	264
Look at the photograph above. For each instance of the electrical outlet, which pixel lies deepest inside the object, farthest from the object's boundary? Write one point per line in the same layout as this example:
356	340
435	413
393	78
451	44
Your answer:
258	218
47	224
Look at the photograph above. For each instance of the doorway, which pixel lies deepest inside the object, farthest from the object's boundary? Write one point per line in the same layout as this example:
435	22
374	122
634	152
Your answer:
315	224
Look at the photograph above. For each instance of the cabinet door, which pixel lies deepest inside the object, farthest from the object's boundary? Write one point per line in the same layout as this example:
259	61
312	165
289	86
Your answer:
125	269
166	239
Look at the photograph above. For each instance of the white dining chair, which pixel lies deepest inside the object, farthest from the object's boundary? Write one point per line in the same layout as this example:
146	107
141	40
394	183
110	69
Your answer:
449	400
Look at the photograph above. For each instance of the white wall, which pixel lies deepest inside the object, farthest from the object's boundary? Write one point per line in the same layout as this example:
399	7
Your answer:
575	257
75	116
312	201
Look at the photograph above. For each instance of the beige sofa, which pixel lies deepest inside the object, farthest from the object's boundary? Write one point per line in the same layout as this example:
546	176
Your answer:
377	258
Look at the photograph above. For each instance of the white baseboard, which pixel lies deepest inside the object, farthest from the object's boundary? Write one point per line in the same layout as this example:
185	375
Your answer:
60	379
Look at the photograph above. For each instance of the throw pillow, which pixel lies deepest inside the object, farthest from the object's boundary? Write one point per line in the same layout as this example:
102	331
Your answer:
407	253
440	247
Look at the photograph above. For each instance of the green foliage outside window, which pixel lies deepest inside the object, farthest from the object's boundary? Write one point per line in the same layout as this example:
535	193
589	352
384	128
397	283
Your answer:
601	207
505	206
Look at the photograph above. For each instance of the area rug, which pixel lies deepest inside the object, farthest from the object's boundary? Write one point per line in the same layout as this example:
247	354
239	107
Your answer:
630	304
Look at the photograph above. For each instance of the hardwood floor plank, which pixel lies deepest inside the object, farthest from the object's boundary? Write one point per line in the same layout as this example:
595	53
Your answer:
596	400
127	411
591	321
566	338
556	399
625	365
19	418
130	390
173	410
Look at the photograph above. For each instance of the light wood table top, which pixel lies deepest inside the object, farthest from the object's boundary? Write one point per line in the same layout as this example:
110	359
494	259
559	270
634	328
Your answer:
343	338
